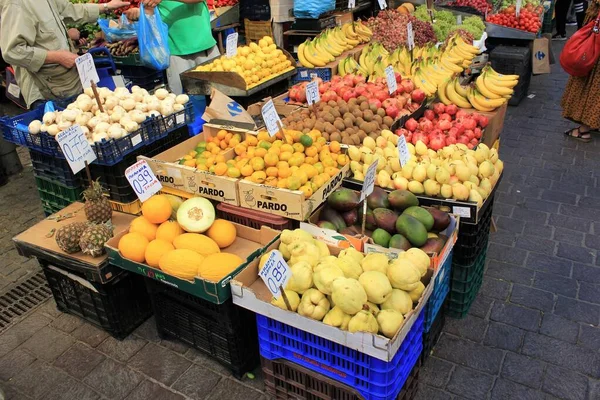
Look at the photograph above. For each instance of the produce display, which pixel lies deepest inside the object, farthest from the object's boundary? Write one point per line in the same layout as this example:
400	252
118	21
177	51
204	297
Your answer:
389	29
453	172
445	24
529	18
350	291
331	43
393	220
481	7
188	246
124	111
256	62
121	48
490	91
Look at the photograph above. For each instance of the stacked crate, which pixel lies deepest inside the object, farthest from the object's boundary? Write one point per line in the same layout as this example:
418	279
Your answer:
513	60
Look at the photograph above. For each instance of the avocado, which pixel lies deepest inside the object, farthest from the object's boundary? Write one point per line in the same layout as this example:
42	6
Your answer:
326	225
385	219
433	246
381	237
370	222
350	217
402	199
441	219
422	215
329	214
378	199
343	200
412	229
399	242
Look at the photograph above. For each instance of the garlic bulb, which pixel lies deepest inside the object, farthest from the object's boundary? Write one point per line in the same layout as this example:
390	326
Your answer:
35	126
49	118
102	127
161	94
44	128
71	106
69	115
138	97
153	113
103	117
83	96
145	93
115	131
154	105
150	99
100	136
182	99
128	104
53	130
104	92
126	118
64	125
121	92
166	109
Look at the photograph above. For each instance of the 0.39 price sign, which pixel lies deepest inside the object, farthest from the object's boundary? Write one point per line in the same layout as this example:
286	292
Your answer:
75	147
275	273
142	180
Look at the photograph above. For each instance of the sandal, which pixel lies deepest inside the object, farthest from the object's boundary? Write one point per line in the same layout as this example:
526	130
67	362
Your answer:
576	133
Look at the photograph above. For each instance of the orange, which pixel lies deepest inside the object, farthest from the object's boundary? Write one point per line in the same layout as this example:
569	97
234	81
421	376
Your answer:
263	135
284	172
221	134
251	140
287	148
285	156
271	181
222	232
143	226
260	152
190	163
133	246
258	177
246	170
157	209
342	159
240	149
271	159
272	172
282	164
311	151
298	147
282	183
221	169
332	171
307	190
168	231
220	158
155	250
335	147
223	145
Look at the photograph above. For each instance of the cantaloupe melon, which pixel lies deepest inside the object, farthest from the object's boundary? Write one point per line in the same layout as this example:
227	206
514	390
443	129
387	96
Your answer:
216	266
182	263
196	215
197	242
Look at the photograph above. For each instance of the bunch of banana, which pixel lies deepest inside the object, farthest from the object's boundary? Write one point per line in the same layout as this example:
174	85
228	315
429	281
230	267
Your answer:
331	43
423	81
459	49
495	86
401	61
349	65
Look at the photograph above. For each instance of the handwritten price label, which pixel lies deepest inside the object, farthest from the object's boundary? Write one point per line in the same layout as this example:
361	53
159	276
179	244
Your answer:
142	180
312	93
369	182
459	20
275	273
76	148
86	70
271	118
232	42
390	77
403	153
518	8
410	35
351	4
382	4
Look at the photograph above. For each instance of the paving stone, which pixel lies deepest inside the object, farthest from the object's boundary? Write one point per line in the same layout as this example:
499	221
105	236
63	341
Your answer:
470	383
532	298
541	205
589	292
159	363
469	354
568	187
510	224
514	315
503	237
504	210
495	288
561	353
586	273
38	379
90	334
589	337
79	360
565	384
524	214
575	253
148	331
577	310
71	389
556	284
435	372
196	382
481	306
470	327
175	345
592	241
13	363
505	389
524	370
568	236
559	328
504	337
594	389
205	361
537	230
122	350
112	379
23	330
559	197
509	272
232	389
149	390
576	224
48	344
589	202
67	323
536	243
429	393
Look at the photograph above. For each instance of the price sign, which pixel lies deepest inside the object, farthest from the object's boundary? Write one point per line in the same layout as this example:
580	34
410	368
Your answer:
142	180
410	35
351	4
275	273
75	147
86	70
403	153
312	93
232	42
390	76
518	8
271	118
382	4
369	182
459	20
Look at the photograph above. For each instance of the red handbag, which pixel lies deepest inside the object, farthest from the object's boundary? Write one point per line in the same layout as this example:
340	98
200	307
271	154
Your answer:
582	50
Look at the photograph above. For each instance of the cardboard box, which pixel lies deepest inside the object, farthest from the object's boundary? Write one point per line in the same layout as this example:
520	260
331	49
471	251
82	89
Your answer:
286	203
283	109
249	291
282	10
190	179
343	18
248	245
331	237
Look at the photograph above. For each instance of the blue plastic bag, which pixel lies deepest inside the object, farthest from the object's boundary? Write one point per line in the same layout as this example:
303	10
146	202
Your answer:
153	39
128	30
312	8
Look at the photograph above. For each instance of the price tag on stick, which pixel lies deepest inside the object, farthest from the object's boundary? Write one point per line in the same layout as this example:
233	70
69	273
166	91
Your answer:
76	148
410	36
459	20
369	182
86	70
518	8
403	153
231	45
271	118
276	274
351	4
142	180
312	93
382	4
390	76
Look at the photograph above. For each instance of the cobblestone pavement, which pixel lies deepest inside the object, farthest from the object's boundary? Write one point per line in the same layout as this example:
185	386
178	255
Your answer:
532	333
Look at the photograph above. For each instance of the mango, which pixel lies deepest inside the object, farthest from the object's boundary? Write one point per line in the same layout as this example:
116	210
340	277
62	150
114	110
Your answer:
411	228
381	237
331	215
399	242
385	219
343	200
441	219
378	199
402	199
422	215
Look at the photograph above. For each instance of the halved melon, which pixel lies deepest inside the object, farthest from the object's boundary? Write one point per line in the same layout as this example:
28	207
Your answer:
196	215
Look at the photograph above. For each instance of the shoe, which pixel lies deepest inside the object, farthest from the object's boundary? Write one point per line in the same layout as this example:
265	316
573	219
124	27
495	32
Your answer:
558	36
573	23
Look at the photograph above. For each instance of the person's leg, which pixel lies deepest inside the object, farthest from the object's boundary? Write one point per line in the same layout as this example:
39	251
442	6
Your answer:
580	9
560	10
178	65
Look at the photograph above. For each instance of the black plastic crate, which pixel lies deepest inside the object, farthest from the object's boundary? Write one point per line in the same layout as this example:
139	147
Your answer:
307	24
144	77
255	10
56	169
118	306
472	238
225	332
520	91
511	60
431	338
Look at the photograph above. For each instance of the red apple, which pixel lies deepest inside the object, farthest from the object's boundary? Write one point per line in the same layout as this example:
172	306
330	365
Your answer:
381	95
411	125
426	125
349	94
477	132
470	123
445	117
429	114
483	121
376	102
417	96
359	79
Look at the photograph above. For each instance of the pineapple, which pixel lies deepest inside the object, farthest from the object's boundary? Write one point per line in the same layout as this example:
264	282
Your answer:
97	207
67	236
93	239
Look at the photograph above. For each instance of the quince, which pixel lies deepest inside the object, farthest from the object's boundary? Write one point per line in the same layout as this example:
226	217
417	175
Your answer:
363	321
349	266
377	286
416	293
338	318
302	277
403	274
353	253
418	257
313	304
288	236
399	301
325	276
292	297
389	322
348	295
375	262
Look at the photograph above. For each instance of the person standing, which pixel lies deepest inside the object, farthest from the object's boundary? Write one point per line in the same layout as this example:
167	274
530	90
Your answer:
34	39
561	9
580	7
190	36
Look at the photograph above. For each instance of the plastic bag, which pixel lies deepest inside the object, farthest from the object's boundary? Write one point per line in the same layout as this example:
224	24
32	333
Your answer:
126	30
312	8
153	39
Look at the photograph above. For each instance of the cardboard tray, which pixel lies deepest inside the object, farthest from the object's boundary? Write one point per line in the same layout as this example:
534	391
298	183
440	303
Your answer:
249	244
287	203
249	291
34	243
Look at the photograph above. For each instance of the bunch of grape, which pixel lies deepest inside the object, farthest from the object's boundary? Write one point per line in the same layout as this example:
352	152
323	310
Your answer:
389	29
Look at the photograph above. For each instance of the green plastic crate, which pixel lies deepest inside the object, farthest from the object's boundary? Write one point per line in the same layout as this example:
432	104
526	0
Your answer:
463	275
461	309
463	292
57	193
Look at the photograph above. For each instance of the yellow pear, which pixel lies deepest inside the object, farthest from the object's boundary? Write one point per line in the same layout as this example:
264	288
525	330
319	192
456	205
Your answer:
421	148
432	188
476	197
446	191
460	192
416	187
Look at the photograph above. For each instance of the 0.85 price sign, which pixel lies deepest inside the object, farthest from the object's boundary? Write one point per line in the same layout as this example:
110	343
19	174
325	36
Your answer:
275	273
75	147
142	180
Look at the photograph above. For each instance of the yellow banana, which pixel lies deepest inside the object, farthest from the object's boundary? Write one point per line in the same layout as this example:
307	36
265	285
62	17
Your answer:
424	83
364	28
333	44
349	31
475	101
450	66
455	98
312	55
497	87
460	89
467	47
442	92
480	85
499	76
322	52
301	56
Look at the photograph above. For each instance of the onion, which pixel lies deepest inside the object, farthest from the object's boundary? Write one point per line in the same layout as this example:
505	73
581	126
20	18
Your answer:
85	131
69	115
131	126
93	122
161	93
128	104
64	125
35	126
102	127
142	107
53	130
182	99
49	118
110	103
115	131
136	89
82	119
98	137
178	107
137	116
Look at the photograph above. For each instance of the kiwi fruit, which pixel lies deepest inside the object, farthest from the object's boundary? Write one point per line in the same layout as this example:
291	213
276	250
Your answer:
381	112
364	106
346	115
343	109
348	123
347	140
319	125
357	113
336	113
364	126
305	130
368	115
309	123
352	102
389	121
361	134
350	131
359	121
356	139
325	135
373	135
368	128
373	107
378	119
329	118
329	128
361	99
335	137
332	104
339	125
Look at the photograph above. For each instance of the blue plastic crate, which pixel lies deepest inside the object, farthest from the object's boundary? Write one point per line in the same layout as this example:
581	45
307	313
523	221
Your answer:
441	287
304	74
374	379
